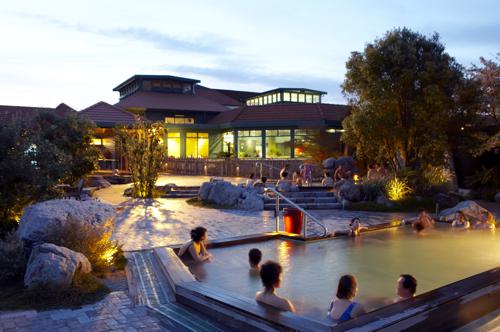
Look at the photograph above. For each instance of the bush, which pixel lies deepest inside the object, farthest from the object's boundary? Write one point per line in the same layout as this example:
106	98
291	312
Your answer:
371	189
12	258
94	242
435	180
397	189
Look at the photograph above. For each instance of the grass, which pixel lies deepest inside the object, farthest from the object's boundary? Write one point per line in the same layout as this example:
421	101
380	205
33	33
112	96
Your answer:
406	205
86	289
196	202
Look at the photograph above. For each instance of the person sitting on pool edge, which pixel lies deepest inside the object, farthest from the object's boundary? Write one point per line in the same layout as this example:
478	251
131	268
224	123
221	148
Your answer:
460	220
270	273
196	247
406	287
254	258
343	307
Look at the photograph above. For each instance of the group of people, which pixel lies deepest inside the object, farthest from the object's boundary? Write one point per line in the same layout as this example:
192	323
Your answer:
342	307
376	171
300	177
423	221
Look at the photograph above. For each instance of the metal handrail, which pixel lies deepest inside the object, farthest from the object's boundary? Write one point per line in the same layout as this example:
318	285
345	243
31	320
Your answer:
295	205
270	167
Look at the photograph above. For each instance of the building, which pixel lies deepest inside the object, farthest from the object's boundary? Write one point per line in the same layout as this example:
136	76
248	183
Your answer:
207	124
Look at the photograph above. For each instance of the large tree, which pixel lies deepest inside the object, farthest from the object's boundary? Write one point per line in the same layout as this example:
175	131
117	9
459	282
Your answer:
401	89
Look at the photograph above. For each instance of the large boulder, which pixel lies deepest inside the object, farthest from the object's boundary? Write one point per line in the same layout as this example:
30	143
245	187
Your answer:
471	209
51	264
350	191
204	191
346	162
38	219
224	193
329	163
250	199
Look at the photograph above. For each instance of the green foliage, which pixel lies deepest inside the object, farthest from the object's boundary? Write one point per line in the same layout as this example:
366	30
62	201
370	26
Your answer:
434	180
94	242
12	258
401	91
371	189
410	204
485	177
397	189
321	145
36	155
142	145
86	289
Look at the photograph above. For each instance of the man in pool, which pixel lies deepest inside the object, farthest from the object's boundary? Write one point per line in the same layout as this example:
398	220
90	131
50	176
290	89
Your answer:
270	273
423	221
254	258
406	287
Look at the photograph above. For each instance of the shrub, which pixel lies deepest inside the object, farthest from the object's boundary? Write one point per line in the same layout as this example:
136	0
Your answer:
371	189
435	179
397	189
12	258
94	242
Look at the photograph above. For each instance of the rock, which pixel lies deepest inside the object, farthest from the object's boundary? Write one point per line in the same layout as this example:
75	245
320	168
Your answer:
39	218
497	197
348	190
51	264
253	202
382	200
445	200
465	193
330	163
224	193
97	181
204	191
471	209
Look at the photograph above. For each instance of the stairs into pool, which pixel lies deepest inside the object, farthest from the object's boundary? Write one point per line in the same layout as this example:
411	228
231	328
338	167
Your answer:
309	199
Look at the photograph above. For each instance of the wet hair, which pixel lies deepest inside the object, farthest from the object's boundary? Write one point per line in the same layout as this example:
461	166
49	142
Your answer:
254	256
284	174
353	220
347	287
327	174
197	233
409	282
270	273
251	176
420	210
263	179
297	172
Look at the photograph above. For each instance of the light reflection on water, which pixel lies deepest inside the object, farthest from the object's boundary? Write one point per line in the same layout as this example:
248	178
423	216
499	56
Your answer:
311	271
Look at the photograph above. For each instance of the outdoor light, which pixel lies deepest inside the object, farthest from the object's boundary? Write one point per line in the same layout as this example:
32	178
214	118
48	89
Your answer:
462	128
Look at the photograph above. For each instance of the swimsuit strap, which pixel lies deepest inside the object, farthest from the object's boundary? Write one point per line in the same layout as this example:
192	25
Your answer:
346	315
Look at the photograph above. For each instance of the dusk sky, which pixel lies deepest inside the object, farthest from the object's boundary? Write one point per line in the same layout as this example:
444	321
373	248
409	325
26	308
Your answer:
77	52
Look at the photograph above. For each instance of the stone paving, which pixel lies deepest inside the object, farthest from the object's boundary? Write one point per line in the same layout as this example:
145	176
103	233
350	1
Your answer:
115	312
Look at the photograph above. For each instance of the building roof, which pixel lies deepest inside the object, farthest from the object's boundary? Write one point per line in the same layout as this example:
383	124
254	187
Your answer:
154	77
281	113
297	90
170	101
216	96
107	115
29	112
241	96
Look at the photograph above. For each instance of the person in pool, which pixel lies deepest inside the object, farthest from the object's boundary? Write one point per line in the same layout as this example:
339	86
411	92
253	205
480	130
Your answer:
355	226
423	221
460	220
343	306
254	258
486	221
270	273
406	287
196	247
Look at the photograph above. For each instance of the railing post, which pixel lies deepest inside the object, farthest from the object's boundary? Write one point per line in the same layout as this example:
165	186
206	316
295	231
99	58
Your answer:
277	212
304	225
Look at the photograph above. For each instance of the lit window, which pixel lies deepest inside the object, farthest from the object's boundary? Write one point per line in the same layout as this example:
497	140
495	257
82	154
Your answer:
294	97
286	96
174	144
197	145
278	97
274	98
278	143
249	144
309	99
96	141
302	98
316	99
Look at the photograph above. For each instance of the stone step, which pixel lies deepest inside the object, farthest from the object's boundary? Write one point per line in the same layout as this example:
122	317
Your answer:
306	206
309	194
304	200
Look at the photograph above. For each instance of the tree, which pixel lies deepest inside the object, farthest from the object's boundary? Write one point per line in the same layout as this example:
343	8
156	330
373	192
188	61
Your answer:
142	145
38	154
401	90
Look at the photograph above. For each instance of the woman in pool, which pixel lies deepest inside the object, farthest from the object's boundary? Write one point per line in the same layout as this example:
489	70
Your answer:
354	226
460	221
343	307
270	273
196	247
486	221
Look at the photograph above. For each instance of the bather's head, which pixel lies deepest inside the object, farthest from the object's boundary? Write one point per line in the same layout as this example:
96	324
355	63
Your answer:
199	234
347	288
406	286
270	273
254	257
263	179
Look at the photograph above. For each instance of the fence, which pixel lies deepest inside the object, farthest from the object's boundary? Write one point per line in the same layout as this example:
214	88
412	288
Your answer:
231	167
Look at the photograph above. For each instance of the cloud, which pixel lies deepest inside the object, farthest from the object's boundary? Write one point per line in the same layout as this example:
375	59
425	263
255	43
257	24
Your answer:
205	44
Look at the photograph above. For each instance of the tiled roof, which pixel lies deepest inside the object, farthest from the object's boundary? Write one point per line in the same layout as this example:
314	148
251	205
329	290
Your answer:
284	112
216	96
170	101
28	113
104	113
155	77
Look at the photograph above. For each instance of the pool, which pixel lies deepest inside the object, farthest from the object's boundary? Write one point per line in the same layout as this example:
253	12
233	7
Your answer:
312	269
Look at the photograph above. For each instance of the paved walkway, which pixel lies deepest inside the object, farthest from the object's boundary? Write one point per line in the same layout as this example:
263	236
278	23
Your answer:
115	312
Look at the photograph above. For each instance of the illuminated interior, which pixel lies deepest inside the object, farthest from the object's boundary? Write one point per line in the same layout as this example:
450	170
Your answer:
278	143
174	144
249	144
228	142
197	145
303	138
286	95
